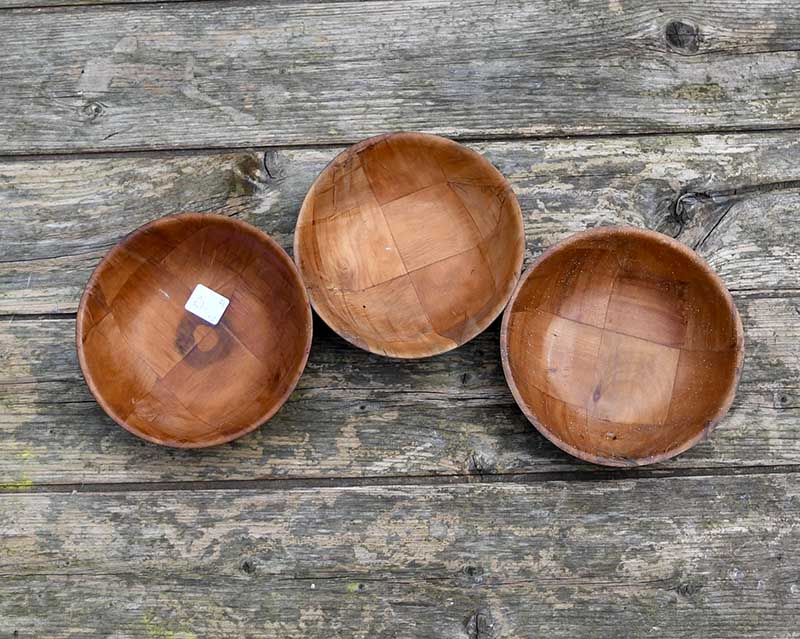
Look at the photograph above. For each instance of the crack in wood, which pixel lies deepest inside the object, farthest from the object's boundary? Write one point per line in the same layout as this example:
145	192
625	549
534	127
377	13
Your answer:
389	481
480	624
720	201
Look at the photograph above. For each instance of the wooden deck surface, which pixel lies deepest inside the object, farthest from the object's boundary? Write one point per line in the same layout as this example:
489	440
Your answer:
395	499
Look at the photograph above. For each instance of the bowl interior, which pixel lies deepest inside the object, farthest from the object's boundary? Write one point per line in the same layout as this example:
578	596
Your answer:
410	244
622	346
171	377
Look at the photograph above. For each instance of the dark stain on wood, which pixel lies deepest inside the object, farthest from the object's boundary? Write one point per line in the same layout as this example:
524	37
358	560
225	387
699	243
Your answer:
480	625
245	176
683	37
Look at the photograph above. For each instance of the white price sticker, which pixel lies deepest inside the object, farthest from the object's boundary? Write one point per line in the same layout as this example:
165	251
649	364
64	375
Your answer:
207	304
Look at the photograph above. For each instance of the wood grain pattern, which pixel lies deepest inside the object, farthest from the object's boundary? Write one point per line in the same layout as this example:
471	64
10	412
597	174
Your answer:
353	416
669	556
446	415
703	556
410	244
622	346
216	74
43	4
53	238
164	373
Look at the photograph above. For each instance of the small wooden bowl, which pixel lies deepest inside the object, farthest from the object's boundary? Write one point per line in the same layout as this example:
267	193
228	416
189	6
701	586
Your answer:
410	244
170	377
622	346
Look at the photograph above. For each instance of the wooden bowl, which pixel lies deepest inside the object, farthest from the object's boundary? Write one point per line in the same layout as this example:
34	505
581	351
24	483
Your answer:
170	377
409	244
622	346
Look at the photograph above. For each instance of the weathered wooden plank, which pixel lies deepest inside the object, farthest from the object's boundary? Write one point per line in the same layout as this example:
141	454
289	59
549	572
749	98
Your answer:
217	74
30	4
683	557
359	415
61	215
446	415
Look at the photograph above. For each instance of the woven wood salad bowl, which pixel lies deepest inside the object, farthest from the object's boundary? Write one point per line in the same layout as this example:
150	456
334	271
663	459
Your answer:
410	244
167	375
622	346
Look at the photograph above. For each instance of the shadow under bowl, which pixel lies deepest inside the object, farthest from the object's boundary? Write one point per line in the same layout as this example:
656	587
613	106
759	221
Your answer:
622	346
170	377
410	244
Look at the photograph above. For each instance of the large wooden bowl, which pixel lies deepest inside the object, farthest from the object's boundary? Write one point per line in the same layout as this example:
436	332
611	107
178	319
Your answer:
165	374
410	244
622	346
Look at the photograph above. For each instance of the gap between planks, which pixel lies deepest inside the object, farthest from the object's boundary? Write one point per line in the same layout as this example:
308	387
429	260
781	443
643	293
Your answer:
433	480
400	480
43	6
315	146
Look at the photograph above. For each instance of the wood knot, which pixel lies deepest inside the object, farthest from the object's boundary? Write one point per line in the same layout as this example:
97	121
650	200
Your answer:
683	37
679	215
688	589
354	587
269	159
480	625
92	111
781	400
244	177
248	567
474	574
477	464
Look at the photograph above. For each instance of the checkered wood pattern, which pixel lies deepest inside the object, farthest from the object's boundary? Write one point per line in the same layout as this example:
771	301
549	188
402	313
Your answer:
169	376
410	244
622	346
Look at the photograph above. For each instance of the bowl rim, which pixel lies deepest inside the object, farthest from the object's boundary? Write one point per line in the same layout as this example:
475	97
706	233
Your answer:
714	278
493	314
240	225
